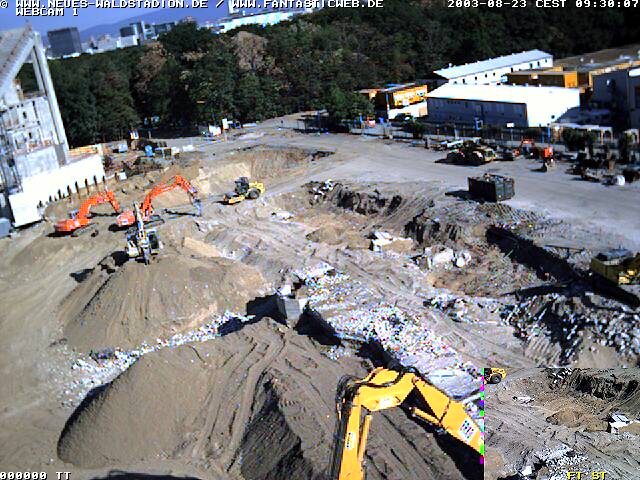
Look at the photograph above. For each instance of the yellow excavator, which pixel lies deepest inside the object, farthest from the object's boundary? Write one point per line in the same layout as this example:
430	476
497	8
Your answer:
382	389
494	375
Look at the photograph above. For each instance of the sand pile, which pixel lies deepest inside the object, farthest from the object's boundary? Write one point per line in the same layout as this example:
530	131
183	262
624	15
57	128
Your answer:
336	234
123	306
257	404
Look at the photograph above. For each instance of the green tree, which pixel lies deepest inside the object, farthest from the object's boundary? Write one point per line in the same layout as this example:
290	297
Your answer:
115	110
343	105
211	85
77	103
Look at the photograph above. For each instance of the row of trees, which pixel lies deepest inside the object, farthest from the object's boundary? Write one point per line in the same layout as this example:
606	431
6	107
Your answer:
192	76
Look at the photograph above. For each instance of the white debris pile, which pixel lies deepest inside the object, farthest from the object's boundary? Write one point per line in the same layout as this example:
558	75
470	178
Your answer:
465	309
562	458
320	189
385	241
99	368
282	215
440	256
356	314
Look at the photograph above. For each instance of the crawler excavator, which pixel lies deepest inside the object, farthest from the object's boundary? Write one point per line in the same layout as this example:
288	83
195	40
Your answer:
382	389
127	217
81	221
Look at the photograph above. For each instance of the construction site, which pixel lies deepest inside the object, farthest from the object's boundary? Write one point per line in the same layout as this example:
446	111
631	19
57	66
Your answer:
563	423
214	349
270	301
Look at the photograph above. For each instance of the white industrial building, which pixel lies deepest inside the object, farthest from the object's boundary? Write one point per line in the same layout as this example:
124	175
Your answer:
35	164
522	106
494	70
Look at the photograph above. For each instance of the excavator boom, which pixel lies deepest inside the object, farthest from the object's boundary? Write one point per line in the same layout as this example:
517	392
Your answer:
383	389
81	219
128	218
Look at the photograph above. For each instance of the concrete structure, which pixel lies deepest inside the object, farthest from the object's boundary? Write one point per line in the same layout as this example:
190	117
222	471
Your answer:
392	100
65	41
35	164
494	70
500	104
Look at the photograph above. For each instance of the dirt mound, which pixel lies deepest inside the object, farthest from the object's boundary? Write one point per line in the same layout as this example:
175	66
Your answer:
123	306
333	234
257	404
569	417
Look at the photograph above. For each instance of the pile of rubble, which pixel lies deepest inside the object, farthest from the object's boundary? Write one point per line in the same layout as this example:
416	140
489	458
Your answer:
98	368
437	256
565	318
466	309
355	314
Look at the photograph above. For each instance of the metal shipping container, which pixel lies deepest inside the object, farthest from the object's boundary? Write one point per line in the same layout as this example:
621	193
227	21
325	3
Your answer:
494	188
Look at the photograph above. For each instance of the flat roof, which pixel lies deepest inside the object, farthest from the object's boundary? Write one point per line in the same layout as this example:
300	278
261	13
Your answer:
497	93
399	88
492	63
542	72
606	57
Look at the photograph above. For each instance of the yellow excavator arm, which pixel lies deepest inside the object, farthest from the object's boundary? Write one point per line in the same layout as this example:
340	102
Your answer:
383	389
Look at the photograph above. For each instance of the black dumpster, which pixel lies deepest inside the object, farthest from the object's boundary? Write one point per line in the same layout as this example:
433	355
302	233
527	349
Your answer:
493	188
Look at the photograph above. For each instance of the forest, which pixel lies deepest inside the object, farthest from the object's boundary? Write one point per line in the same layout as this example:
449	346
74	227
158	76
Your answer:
192	76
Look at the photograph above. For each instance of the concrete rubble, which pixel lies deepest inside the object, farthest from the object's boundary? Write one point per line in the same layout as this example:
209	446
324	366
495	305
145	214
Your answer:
355	314
384	241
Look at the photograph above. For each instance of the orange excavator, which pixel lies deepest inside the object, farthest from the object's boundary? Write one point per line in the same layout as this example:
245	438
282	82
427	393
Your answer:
128	218
80	221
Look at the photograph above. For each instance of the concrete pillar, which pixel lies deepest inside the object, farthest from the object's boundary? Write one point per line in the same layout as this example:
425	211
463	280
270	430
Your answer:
42	73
